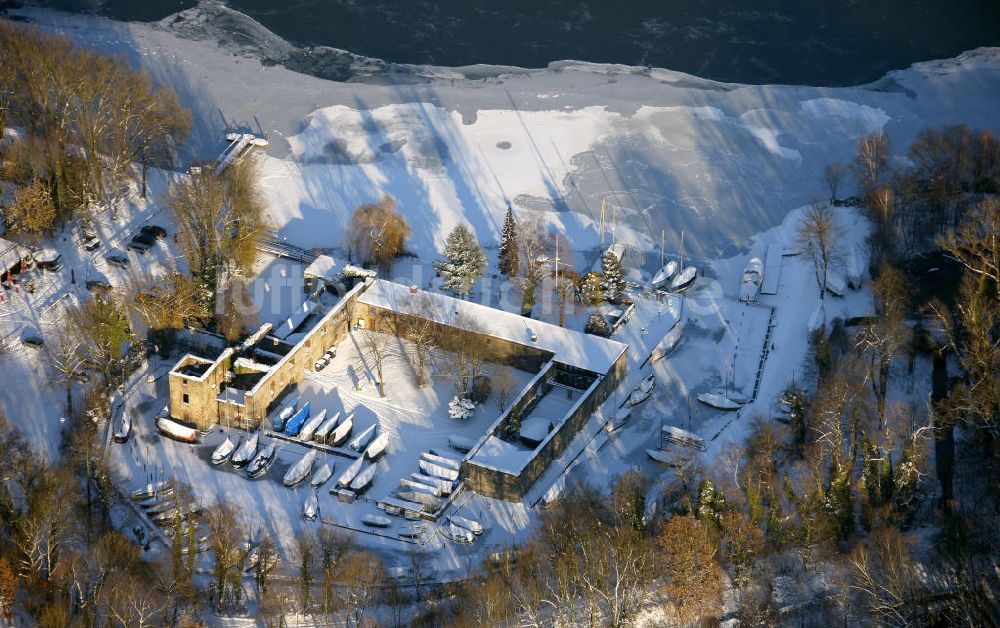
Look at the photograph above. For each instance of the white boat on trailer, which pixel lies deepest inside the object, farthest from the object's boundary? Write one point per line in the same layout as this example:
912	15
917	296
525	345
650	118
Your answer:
461	444
342	431
225	450
322	474
175	430
447	487
437	470
684	279
377	447
310	508
429	501
313	424
362	440
406	484
469	524
246	452
669	458
301	469
435	458
348	475
663	276
152	489
123	427
753	277
364	477
643	391
718	401
376	521
324	430
262	461
457	534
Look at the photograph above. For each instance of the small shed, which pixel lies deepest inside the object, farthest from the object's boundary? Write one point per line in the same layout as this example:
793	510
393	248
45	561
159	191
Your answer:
319	275
10	256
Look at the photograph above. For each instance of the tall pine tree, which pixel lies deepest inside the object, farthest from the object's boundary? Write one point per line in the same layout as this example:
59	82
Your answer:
464	261
508	245
614	277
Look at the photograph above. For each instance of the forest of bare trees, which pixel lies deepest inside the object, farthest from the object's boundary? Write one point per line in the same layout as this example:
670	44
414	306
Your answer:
91	123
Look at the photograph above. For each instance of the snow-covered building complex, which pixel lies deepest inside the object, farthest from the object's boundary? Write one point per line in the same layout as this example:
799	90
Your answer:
573	374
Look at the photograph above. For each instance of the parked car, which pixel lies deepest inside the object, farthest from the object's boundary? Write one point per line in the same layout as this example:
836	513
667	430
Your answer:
141	243
31	337
117	260
156	231
321	363
98	285
48	259
90	243
330	354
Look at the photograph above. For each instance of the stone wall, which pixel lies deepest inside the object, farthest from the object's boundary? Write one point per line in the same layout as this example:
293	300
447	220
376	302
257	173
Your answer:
509	486
193	398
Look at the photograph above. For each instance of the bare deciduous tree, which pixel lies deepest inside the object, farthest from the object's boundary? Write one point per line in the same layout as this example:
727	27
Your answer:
818	236
833	174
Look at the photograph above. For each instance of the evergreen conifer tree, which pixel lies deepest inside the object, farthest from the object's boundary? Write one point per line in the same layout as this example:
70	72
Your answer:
614	277
508	245
464	261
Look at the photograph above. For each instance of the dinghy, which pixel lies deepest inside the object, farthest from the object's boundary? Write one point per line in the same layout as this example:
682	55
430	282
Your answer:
322	475
364	478
669	342
718	401
281	419
175	430
463	522
242	456
376	521
855	267
438	471
262	461
123	427
298	420
362	440
225	450
460	443
342	431
312	425
310	508
301	469
377	446
324	430
457	534
352	470
642	392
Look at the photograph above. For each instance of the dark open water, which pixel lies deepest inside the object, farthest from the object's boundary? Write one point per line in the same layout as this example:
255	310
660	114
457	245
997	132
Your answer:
815	42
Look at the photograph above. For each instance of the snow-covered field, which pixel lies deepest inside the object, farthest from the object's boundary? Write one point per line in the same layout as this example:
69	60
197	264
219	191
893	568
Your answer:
730	166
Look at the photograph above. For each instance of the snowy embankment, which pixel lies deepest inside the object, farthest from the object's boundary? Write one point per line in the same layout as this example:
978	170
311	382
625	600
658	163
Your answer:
660	150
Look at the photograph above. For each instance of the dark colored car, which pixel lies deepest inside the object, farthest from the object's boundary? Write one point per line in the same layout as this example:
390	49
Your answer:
98	285
142	243
156	231
117	260
91	243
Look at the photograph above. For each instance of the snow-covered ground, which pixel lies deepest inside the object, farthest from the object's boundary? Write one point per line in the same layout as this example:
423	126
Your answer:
730	166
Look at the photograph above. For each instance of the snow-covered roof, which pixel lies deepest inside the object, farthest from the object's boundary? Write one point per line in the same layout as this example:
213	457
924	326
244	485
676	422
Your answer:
570	347
10	255
285	329
322	267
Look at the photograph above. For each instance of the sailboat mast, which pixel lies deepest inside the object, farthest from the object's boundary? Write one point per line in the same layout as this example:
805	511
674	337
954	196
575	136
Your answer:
603	202
661	248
